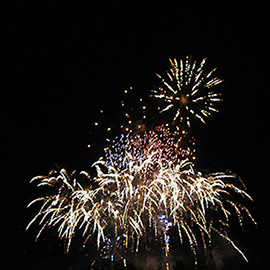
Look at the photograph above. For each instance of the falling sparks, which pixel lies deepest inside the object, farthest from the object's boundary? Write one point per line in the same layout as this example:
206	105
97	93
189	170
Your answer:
134	191
187	91
146	185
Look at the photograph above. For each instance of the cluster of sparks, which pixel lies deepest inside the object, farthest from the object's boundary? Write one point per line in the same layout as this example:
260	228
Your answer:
167	146
146	184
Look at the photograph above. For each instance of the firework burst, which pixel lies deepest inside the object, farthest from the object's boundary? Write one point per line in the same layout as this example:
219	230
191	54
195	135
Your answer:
187	91
127	201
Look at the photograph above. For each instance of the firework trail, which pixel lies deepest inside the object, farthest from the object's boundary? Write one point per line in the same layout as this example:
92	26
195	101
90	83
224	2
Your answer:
146	187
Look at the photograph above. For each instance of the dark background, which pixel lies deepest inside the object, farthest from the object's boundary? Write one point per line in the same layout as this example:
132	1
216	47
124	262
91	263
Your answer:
64	60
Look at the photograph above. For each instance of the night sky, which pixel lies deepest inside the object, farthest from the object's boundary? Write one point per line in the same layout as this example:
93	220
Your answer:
65	60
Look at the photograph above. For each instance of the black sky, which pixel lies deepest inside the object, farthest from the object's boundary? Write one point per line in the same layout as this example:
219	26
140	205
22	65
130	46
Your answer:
63	60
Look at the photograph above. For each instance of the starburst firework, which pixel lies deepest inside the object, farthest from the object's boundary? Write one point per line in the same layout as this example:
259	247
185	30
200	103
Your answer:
186	91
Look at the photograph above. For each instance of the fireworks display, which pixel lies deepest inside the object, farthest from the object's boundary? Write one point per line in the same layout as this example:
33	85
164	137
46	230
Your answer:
146	188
